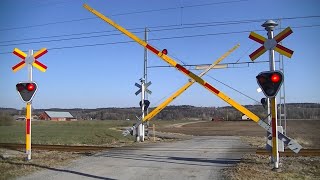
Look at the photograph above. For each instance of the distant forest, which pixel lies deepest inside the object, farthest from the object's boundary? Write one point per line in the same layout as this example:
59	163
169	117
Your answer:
294	111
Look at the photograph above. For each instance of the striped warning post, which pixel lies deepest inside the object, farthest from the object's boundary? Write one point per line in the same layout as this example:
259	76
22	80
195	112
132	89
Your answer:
28	130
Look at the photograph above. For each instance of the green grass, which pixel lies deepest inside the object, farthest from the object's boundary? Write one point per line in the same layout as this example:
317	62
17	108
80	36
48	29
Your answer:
67	133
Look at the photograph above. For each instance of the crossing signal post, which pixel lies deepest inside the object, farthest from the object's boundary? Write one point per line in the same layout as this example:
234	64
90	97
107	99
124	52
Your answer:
144	104
271	81
28	89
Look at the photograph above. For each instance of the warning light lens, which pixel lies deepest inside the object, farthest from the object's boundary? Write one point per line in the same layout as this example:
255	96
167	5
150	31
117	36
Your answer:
30	87
275	78
165	51
20	87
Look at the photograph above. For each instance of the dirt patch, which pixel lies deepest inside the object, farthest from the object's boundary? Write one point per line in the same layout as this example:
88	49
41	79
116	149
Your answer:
306	132
254	166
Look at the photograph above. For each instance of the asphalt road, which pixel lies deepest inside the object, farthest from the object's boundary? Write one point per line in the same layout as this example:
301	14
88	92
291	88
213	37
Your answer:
197	158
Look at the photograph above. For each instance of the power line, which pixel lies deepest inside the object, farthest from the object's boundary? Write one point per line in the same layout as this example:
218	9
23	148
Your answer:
155	28
219	23
232	88
121	14
168	29
104	35
166	38
66	39
194	65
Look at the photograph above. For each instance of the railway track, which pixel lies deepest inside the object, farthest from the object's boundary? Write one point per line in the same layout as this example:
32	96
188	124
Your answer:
68	148
288	152
55	147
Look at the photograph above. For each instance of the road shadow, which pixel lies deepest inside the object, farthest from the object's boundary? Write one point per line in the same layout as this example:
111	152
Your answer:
213	161
192	161
60	170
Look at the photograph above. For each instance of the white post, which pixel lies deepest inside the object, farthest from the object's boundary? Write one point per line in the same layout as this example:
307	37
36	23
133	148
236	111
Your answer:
269	26
29	109
142	107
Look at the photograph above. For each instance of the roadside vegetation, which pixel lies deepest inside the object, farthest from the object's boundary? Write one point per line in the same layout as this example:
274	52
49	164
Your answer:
6	119
67	133
13	164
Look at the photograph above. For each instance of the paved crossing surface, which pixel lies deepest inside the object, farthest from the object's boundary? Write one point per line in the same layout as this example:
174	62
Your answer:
196	158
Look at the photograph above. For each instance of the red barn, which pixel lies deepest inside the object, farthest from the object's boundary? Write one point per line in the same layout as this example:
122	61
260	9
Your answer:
56	116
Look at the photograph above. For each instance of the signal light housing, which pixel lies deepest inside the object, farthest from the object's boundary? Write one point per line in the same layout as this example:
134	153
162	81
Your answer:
146	104
26	90
270	82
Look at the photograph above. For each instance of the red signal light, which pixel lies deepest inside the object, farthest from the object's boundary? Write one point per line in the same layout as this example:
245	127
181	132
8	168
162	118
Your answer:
275	78
30	87
165	51
270	82
26	90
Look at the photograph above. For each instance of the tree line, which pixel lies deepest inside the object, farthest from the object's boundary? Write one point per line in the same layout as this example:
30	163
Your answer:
294	111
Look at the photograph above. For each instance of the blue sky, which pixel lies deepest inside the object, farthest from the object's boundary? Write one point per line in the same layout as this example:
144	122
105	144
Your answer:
104	75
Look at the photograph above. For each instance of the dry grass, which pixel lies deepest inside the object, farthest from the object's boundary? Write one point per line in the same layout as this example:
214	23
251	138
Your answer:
254	166
13	163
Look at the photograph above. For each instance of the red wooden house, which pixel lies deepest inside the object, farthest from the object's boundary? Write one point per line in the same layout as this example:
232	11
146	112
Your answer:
56	116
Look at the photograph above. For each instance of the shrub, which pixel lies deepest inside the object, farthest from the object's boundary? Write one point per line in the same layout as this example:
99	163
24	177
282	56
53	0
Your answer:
6	119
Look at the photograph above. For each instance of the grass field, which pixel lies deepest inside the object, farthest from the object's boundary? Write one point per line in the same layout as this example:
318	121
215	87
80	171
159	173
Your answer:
63	133
105	133
67	133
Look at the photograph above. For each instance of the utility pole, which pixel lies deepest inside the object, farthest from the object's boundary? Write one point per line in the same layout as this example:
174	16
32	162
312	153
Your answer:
143	89
145	64
269	26
145	76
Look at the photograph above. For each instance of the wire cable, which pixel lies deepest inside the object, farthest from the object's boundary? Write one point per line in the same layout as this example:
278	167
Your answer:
166	27
121	14
232	88
166	38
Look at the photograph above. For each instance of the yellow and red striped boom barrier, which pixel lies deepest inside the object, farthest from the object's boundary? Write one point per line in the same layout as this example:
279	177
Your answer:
158	109
294	146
